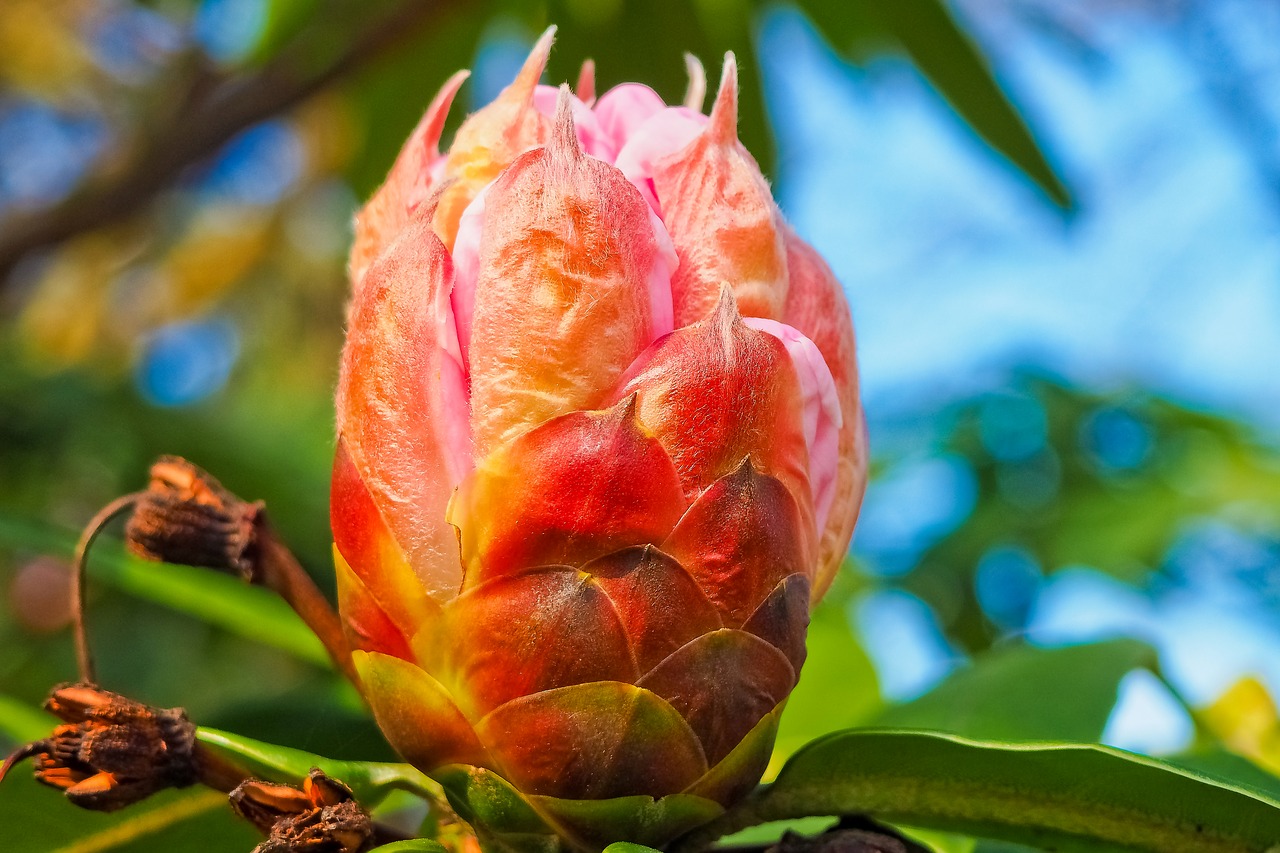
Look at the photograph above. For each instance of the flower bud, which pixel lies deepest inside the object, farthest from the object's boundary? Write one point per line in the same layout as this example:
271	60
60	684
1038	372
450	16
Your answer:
600	448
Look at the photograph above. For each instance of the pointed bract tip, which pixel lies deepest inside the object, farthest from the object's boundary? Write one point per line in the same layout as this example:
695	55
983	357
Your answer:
724	114
531	72
564	136
695	95
726	311
629	407
586	87
438	111
746	469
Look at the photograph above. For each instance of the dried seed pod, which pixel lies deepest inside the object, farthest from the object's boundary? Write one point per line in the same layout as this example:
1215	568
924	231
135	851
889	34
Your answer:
111	751
320	817
186	516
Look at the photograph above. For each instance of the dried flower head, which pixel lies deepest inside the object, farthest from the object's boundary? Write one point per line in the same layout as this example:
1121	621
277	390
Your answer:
111	751
320	817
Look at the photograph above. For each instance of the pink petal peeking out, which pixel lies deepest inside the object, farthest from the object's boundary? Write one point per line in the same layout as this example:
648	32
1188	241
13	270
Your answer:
664	134
623	109
822	415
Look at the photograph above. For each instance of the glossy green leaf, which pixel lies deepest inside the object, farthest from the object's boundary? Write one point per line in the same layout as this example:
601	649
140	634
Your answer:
370	781
38	819
1028	693
1058	796
217	599
627	847
416	845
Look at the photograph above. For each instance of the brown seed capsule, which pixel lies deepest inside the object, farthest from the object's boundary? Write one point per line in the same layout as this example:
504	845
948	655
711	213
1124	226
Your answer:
186	516
111	751
321	817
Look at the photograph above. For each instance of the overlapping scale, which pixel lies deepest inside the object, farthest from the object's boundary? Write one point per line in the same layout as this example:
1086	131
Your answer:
573	489
523	634
717	392
594	741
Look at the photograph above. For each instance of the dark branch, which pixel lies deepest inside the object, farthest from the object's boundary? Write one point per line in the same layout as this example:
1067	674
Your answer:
206	122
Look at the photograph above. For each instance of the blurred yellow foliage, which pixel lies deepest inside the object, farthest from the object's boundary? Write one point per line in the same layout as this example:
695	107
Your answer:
219	248
329	130
1245	718
66	316
41	52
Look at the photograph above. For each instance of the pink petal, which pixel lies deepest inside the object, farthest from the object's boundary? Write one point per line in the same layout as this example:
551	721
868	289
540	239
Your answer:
665	133
622	110
466	269
822	415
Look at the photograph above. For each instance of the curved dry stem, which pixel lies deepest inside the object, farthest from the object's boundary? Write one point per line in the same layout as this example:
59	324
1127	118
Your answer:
84	654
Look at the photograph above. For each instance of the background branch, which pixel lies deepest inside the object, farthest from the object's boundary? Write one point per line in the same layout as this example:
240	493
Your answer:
211	117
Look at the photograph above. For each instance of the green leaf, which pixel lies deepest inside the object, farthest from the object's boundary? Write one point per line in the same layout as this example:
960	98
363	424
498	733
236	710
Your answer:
1062	797
416	845
370	781
627	847
1028	693
837	687
948	57
38	819
21	723
217	599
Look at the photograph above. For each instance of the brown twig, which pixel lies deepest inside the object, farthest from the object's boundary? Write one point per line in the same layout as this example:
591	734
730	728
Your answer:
84	654
203	125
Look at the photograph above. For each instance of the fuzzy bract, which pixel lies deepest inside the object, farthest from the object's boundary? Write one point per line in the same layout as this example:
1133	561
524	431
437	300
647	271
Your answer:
600	449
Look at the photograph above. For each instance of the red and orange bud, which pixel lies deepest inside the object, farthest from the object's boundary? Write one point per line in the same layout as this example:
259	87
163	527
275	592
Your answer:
600	448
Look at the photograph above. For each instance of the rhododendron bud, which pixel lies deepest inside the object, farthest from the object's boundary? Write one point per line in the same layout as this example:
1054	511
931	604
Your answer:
600	448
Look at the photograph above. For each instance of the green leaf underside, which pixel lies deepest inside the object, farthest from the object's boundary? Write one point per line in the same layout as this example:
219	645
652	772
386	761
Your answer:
370	781
214	598
1024	693
38	819
1064	797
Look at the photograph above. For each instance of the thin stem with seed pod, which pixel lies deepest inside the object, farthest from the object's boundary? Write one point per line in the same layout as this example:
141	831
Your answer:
84	654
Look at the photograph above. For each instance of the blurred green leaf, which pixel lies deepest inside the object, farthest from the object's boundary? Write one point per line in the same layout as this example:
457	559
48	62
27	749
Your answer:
1027	693
838	686
945	54
38	819
21	723
627	847
1060	796
218	599
370	781
1122	522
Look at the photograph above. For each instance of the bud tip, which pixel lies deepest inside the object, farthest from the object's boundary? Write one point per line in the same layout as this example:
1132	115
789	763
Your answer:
695	95
724	113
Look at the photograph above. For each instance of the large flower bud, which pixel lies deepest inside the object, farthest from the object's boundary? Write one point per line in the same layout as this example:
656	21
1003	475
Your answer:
600	448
